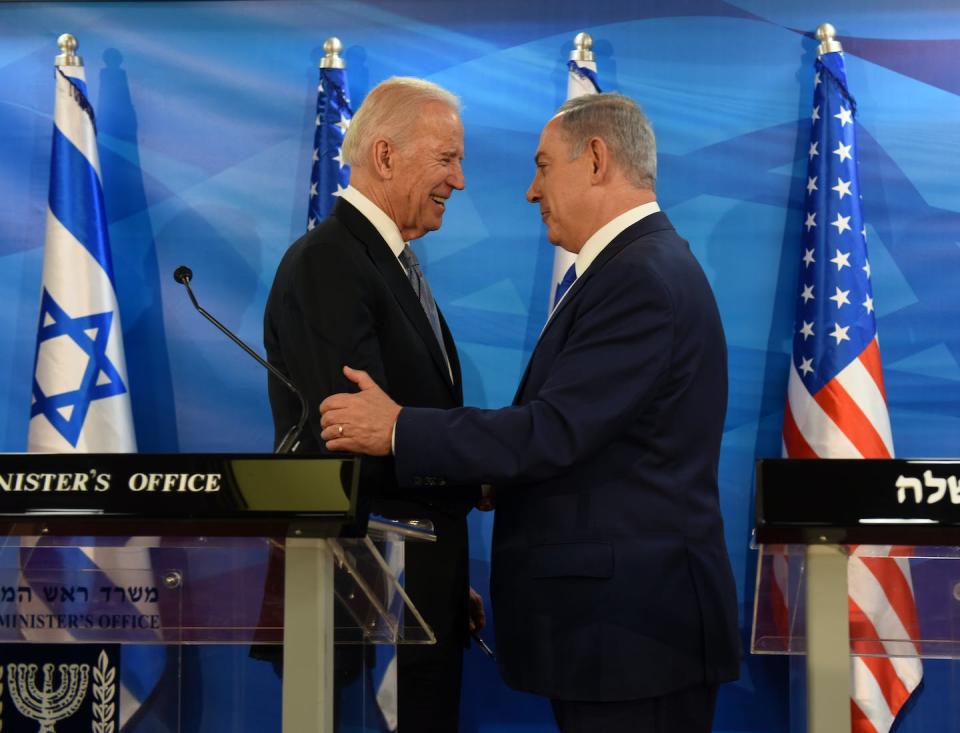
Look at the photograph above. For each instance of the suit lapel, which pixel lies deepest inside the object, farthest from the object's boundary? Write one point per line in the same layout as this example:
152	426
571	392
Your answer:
657	221
392	271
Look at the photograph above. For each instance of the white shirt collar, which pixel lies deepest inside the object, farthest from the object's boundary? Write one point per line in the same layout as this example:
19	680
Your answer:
384	225
608	232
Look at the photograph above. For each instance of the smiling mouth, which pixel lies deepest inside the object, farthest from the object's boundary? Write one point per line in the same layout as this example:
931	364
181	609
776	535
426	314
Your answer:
441	202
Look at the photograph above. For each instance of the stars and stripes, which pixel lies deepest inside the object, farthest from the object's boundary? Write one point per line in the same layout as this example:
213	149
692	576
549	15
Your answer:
328	175
836	401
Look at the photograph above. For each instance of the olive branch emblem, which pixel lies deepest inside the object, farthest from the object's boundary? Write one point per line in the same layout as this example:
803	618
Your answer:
104	689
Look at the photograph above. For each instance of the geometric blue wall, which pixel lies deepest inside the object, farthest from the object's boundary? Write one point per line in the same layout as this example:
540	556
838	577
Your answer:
205	121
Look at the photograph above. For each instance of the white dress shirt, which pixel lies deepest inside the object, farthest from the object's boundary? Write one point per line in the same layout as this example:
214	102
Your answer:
599	240
384	225
386	228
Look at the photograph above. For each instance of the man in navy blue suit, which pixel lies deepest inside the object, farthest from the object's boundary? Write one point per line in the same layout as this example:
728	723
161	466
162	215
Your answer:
611	586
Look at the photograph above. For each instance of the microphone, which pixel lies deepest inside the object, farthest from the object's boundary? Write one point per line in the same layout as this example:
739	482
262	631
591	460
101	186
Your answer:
291	440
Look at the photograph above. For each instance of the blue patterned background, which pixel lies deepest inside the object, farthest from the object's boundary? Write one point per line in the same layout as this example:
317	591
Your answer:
205	116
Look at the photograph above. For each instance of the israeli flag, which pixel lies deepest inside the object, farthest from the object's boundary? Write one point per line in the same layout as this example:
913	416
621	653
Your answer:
81	402
581	80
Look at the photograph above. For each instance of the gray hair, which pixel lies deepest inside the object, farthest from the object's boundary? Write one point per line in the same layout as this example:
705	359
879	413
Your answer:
621	124
391	109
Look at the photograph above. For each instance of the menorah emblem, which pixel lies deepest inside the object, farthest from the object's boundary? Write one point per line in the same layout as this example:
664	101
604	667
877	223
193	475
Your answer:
48	705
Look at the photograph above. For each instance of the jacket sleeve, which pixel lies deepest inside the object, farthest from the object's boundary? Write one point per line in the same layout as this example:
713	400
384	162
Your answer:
607	369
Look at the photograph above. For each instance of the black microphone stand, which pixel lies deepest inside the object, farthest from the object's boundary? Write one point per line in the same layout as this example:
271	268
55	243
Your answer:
291	440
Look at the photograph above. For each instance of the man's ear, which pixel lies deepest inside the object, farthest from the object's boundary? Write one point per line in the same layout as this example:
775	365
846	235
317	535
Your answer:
384	158
599	159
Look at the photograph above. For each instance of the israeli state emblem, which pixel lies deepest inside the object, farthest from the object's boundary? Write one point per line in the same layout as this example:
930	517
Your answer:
67	696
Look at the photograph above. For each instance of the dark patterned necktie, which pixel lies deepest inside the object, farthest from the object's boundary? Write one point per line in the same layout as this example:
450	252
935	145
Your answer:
415	275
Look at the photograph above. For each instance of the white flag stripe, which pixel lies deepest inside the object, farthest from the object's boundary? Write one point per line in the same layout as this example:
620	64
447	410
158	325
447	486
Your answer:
83	282
35	606
869	696
904	564
868	594
817	428
124	567
73	122
387	695
872	551
859	384
561	263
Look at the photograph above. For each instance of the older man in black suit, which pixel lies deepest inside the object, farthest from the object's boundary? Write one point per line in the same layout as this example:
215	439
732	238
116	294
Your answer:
611	586
352	291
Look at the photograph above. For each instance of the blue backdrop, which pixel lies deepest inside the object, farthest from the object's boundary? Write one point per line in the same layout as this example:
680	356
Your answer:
205	115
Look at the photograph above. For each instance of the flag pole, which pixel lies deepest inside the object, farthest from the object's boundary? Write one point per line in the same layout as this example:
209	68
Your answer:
582	48
67	44
581	80
331	54
828	631
827	35
328	173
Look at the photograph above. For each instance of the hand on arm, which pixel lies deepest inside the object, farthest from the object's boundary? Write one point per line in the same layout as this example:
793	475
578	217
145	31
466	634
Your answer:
361	422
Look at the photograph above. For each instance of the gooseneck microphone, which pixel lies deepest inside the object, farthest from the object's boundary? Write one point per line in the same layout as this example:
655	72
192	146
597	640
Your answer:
291	440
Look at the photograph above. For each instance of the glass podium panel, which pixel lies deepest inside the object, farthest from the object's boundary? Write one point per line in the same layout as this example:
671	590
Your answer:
779	622
858	581
159	558
129	609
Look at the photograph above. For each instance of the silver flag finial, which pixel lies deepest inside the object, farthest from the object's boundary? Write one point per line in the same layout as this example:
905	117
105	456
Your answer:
68	57
827	35
582	48
331	54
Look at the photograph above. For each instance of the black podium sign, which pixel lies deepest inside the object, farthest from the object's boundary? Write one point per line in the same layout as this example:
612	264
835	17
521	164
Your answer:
858	501
170	494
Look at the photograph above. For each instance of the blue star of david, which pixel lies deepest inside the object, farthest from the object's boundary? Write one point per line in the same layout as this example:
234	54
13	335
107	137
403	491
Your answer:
100	378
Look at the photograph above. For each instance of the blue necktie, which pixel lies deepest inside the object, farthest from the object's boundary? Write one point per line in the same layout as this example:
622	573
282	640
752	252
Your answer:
415	275
564	285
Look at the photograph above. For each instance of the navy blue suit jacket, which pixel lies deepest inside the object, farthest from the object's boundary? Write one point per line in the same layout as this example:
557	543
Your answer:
610	576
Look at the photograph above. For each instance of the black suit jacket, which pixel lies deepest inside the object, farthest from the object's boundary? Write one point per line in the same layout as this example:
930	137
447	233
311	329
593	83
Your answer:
341	297
610	576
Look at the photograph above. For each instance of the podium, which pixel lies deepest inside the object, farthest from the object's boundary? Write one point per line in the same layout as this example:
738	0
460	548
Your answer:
170	550
812	518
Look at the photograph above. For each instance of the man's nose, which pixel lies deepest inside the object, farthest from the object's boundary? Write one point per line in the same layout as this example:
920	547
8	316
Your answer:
533	192
457	179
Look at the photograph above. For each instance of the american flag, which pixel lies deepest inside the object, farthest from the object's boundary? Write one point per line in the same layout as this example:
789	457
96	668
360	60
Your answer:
329	175
836	402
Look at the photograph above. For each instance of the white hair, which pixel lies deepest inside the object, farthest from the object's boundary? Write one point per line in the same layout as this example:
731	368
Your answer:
391	109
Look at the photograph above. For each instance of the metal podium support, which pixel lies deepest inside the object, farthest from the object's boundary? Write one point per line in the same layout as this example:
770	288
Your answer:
828	640
810	515
308	637
189	535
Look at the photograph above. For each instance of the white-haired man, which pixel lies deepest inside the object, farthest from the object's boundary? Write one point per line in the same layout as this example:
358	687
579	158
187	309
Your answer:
351	291
611	586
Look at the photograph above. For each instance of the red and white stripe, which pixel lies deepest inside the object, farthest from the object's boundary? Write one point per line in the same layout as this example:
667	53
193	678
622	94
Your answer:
848	418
